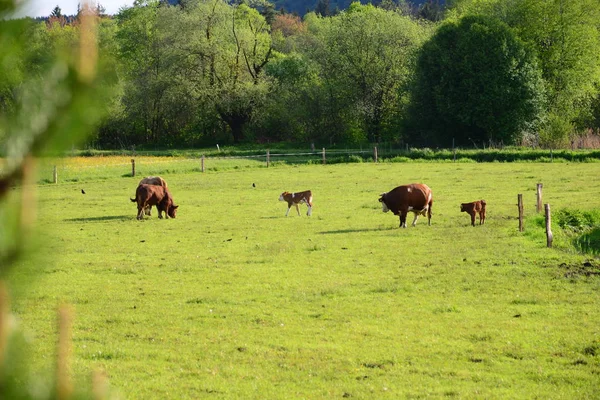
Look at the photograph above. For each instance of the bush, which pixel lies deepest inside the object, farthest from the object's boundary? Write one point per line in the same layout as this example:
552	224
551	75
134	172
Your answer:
577	220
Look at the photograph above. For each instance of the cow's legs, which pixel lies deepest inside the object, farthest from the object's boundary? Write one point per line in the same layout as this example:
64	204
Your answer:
148	210
473	218
140	214
429	214
402	219
309	212
288	210
414	220
297	209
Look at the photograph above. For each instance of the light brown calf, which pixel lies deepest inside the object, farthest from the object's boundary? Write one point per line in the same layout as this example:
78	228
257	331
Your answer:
473	208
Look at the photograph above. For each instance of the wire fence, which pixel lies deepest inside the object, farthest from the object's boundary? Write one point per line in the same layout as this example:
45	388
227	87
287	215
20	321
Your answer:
75	169
78	168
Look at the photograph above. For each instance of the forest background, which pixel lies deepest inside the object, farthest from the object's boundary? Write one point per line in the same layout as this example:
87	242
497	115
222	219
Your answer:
465	72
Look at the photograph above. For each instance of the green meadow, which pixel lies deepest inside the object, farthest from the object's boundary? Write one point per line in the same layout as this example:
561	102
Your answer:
232	300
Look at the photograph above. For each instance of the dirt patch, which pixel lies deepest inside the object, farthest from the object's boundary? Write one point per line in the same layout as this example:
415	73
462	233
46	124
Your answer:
587	269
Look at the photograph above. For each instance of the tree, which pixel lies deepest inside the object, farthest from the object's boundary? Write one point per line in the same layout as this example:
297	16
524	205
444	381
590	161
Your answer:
566	38
366	55
476	82
155	107
225	54
322	8
56	12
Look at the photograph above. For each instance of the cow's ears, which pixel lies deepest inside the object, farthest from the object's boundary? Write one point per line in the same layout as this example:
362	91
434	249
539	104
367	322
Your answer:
174	207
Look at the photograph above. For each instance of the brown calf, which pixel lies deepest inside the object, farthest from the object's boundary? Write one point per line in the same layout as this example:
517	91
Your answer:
152	195
293	199
473	208
152	180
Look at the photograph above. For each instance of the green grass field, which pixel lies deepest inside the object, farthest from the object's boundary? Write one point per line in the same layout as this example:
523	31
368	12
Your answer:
232	300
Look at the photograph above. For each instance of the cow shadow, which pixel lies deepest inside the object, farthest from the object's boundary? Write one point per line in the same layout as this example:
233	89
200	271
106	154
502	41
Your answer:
354	230
102	219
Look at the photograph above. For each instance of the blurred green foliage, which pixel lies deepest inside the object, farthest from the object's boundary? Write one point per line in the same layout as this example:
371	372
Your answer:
53	94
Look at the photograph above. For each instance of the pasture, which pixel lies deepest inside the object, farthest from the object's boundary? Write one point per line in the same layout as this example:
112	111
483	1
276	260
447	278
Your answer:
233	300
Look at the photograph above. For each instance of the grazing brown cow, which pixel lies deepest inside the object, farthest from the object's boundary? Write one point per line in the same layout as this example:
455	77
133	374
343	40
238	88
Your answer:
152	195
473	208
415	197
152	180
293	199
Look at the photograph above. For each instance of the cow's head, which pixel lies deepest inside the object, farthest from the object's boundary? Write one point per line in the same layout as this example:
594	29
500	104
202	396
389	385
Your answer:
282	197
172	211
384	206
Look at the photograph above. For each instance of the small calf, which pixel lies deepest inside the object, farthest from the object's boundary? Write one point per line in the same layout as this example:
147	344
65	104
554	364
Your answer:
293	199
473	208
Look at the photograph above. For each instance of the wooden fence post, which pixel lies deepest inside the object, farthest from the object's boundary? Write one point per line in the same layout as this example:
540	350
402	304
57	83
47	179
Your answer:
539	197
268	157
133	167
453	151
548	226
324	159
202	163
375	153
520	205
55	175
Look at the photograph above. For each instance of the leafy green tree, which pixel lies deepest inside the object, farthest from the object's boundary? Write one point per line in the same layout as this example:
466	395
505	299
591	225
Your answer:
476	82
566	37
147	36
56	12
226	54
366	55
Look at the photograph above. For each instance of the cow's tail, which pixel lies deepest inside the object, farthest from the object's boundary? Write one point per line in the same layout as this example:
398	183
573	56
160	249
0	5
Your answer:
133	200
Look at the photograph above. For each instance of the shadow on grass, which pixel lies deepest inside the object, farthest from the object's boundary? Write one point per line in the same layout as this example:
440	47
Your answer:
589	242
104	218
357	230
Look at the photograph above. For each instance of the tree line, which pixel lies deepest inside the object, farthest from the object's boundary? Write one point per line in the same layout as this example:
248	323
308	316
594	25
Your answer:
211	71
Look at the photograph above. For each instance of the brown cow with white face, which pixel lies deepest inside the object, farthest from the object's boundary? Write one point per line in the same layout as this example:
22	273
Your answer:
293	199
156	181
152	195
416	198
473	208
